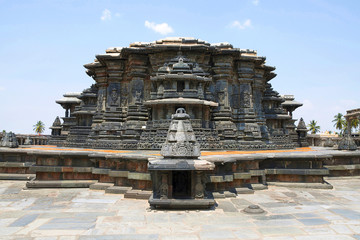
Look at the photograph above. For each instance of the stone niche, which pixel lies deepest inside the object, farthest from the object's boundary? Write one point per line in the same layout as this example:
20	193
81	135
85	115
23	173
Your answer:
179	176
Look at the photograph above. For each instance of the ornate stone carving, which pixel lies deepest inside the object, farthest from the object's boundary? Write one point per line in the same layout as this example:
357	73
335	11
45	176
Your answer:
164	187
347	142
9	140
114	96
181	141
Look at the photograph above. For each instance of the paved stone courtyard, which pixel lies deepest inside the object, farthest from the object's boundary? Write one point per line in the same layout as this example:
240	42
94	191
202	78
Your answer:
292	213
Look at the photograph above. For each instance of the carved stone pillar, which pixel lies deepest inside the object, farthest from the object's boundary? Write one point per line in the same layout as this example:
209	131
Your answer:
222	115
246	115
199	186
137	113
164	187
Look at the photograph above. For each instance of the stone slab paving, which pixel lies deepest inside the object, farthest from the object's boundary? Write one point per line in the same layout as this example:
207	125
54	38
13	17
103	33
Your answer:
291	213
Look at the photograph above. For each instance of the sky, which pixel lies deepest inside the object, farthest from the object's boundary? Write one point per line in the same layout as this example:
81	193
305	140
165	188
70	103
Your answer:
314	45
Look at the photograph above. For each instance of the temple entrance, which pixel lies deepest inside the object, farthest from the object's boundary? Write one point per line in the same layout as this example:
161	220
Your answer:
181	181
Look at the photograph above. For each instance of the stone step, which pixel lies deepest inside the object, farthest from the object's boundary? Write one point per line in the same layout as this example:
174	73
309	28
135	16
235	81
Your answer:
17	176
117	189
257	186
244	190
342	167
144	194
100	186
132	193
138	194
181	203
224	194
324	185
60	184
16	164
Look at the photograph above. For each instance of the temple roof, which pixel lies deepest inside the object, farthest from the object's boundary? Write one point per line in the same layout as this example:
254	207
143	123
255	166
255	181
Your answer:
179	44
301	125
68	100
289	101
56	124
180	141
181	64
181	41
70	97
72	94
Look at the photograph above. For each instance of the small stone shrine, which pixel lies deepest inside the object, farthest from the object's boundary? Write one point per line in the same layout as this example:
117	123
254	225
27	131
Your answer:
347	142
9	140
302	133
56	127
226	91
179	177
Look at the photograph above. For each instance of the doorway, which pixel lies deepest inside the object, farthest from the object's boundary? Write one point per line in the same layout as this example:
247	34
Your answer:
181	181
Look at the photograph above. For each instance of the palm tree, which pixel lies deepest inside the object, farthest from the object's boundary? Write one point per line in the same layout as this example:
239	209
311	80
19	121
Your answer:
39	127
344	129
313	127
339	121
354	123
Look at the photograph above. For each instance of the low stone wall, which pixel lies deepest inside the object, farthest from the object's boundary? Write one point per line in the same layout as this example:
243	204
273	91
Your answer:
129	171
233	171
343	165
36	139
317	140
16	164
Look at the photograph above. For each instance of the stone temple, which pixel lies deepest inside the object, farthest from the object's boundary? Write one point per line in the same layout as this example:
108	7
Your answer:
226	92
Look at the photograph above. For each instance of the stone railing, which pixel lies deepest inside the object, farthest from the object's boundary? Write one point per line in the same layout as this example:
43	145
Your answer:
36	139
327	141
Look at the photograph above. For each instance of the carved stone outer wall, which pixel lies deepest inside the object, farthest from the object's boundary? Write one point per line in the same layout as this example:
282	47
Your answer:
225	90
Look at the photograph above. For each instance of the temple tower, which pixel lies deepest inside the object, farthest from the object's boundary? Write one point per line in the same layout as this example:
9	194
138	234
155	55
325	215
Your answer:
226	92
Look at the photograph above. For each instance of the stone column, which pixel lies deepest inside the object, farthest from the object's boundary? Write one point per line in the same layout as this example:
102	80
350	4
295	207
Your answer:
222	115
199	187
164	187
258	90
246	114
137	114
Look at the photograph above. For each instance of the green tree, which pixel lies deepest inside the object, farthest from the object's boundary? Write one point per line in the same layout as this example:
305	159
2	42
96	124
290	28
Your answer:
39	127
313	127
339	121
345	126
354	123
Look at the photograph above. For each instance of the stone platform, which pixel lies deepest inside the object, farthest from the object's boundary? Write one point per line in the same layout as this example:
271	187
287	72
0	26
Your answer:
235	171
84	214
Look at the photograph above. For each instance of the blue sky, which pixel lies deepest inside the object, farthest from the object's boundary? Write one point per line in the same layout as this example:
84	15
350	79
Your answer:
314	44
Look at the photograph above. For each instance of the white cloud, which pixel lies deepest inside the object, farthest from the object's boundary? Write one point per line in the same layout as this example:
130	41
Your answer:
239	25
2	88
255	2
106	15
162	28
